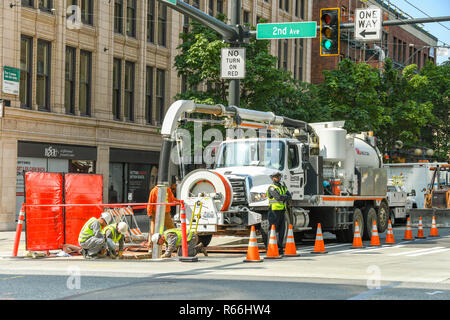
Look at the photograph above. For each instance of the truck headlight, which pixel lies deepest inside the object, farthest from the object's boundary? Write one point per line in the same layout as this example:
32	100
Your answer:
257	196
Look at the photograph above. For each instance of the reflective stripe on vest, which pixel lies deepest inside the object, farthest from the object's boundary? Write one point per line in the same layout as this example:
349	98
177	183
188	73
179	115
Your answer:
177	231
115	235
273	203
86	231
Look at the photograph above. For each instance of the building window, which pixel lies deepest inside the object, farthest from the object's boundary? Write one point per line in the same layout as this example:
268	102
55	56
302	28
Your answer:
129	91
300	60
246	18
151	21
26	64
284	5
118	16
87	12
131	18
43	75
28	3
211	8
117	86
149	96
285	54
162	24
394	50
46	5
85	83
69	88
219	6
160	94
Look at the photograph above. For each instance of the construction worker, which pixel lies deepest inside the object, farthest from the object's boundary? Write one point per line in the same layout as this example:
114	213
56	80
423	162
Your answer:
91	238
151	212
278	196
115	233
173	237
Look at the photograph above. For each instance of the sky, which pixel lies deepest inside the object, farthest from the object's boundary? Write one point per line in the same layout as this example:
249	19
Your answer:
429	8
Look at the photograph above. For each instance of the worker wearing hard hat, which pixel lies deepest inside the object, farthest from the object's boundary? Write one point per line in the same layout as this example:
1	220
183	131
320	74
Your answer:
115	233
173	237
151	211
91	238
278	196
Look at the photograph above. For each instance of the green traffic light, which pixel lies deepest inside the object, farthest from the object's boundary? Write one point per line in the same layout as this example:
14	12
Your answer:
326	44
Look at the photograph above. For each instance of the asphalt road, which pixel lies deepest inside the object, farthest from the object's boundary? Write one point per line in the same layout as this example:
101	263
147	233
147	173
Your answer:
408	270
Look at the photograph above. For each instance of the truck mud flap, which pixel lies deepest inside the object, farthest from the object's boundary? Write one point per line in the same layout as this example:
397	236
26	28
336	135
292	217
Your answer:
442	217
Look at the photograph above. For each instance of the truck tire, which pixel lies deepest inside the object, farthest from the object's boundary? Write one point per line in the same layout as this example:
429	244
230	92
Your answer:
346	235
205	239
382	217
392	216
370	215
264	227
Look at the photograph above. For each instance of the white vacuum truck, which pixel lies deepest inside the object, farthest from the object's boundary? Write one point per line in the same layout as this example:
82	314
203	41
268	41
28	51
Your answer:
231	196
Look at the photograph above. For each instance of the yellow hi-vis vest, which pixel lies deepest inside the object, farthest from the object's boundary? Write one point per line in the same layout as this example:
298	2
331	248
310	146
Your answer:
273	203
86	232
177	231
115	235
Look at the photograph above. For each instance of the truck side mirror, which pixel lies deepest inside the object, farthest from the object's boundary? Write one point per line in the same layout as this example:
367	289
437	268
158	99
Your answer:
412	193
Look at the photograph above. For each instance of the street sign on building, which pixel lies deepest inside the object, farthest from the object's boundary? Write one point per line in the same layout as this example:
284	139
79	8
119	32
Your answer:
232	63
368	24
286	30
174	2
11	80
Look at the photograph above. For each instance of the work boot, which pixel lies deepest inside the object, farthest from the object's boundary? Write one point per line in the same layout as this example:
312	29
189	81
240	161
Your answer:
84	253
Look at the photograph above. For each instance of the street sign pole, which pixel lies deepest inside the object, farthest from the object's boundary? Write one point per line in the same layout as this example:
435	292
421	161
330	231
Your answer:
234	96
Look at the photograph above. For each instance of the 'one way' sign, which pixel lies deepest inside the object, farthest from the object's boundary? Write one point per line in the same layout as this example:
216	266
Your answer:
368	24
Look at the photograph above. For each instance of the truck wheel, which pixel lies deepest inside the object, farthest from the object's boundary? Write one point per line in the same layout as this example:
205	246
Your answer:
382	217
392	217
370	215
346	235
264	227
205	239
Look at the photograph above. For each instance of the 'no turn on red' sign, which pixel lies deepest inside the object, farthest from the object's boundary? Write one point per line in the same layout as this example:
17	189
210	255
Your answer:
368	24
233	63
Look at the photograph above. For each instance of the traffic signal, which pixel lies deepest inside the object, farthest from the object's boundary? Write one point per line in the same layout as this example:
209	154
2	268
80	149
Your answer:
329	31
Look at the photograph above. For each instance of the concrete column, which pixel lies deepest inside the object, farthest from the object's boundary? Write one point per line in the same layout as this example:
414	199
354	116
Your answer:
8	172
103	168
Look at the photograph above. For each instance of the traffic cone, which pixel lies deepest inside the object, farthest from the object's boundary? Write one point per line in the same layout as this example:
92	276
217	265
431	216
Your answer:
357	241
433	231
253	251
319	246
289	249
375	239
408	231
389	234
420	230
272	248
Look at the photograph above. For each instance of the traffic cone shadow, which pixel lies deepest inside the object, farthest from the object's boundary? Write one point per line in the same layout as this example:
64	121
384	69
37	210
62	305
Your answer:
357	241
420	234
290	250
375	239
390	235
433	231
253	251
408	232
319	245
272	248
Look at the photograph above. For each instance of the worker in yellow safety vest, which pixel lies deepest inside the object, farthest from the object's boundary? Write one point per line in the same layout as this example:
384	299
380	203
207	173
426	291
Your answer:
91	238
115	233
278	196
173	237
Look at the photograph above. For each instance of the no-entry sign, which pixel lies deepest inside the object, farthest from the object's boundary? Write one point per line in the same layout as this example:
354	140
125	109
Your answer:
233	63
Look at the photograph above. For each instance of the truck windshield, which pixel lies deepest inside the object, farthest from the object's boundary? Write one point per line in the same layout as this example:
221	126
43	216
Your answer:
267	153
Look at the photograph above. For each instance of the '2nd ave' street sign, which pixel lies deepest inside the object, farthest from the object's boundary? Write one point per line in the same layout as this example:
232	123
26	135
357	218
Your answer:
286	30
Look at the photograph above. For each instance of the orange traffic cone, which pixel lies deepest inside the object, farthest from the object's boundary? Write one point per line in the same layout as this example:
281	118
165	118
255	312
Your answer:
319	246
420	230
289	249
272	248
253	251
357	241
389	234
433	232
375	239
408	231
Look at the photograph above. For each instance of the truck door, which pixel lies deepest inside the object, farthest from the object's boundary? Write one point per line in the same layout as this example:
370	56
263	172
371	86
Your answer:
295	179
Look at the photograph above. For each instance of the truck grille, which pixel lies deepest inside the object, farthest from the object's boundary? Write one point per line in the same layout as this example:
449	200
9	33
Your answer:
239	193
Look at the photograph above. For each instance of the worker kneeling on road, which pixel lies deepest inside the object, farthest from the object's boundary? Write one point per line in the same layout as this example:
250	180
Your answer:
172	238
91	238
115	234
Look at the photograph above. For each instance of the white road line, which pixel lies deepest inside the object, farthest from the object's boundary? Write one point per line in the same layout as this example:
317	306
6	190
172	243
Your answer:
428	252
413	252
365	249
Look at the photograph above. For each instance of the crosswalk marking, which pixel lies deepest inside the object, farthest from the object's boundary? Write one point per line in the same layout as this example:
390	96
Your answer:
428	252
413	252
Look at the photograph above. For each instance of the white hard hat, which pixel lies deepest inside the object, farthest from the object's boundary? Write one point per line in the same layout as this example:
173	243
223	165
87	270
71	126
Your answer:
107	217
122	227
155	237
